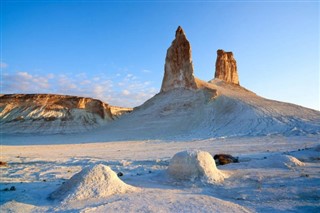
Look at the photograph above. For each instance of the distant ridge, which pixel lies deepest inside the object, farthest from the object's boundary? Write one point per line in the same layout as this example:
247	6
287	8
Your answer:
51	113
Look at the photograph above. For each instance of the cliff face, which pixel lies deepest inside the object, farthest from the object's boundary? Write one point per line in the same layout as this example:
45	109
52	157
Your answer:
178	66
47	104
21	113
226	67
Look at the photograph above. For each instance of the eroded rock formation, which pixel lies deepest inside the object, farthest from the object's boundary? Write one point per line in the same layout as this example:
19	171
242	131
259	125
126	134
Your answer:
49	103
226	67
49	113
178	67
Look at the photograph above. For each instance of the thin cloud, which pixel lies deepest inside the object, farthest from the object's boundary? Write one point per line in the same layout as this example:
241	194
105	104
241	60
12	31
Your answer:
125	92
3	65
146	71
128	92
23	82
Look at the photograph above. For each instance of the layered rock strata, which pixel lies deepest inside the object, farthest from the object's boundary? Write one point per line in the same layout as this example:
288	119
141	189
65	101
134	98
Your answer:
226	67
49	105
178	66
49	113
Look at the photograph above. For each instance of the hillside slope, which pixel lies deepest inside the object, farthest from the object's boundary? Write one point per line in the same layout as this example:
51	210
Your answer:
51	114
217	109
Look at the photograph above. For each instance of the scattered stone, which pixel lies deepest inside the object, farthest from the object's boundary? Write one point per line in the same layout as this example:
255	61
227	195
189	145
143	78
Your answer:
3	164
12	188
226	67
222	159
178	69
120	174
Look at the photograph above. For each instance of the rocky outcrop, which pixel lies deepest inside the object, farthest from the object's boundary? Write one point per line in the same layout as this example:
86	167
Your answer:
54	103
178	69
226	67
119	111
49	113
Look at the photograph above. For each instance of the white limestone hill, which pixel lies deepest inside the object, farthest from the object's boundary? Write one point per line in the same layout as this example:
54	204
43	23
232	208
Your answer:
51	114
217	109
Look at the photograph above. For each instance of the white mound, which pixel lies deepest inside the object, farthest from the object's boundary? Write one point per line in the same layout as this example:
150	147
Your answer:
16	207
191	165
277	161
98	181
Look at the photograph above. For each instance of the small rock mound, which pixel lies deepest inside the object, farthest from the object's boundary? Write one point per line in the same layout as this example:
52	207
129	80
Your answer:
192	165
98	181
14	206
277	161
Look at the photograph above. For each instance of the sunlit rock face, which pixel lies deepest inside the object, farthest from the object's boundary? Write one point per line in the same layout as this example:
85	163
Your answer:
51	106
178	69
50	113
226	67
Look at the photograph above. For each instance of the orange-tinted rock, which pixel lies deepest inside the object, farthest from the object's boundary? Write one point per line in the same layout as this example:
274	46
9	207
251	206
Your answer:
226	67
178	69
52	114
51	102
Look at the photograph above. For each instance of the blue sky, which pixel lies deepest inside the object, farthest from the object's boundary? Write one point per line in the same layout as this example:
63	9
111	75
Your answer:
115	51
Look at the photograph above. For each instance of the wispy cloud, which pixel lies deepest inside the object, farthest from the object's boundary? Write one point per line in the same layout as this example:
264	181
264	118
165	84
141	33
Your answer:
125	90
24	82
146	71
3	65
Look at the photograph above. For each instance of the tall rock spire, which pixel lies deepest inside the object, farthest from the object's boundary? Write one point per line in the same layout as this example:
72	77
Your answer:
178	69
226	67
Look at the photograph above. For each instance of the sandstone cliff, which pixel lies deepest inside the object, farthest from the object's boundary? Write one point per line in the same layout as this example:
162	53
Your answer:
48	113
178	66
226	67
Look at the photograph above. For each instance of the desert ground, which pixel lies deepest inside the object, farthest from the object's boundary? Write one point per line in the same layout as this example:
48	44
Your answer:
274	174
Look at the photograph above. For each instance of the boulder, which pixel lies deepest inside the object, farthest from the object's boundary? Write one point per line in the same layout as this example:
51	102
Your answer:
222	159
193	165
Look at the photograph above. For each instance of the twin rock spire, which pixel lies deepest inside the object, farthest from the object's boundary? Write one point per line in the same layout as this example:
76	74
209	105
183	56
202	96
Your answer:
178	69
